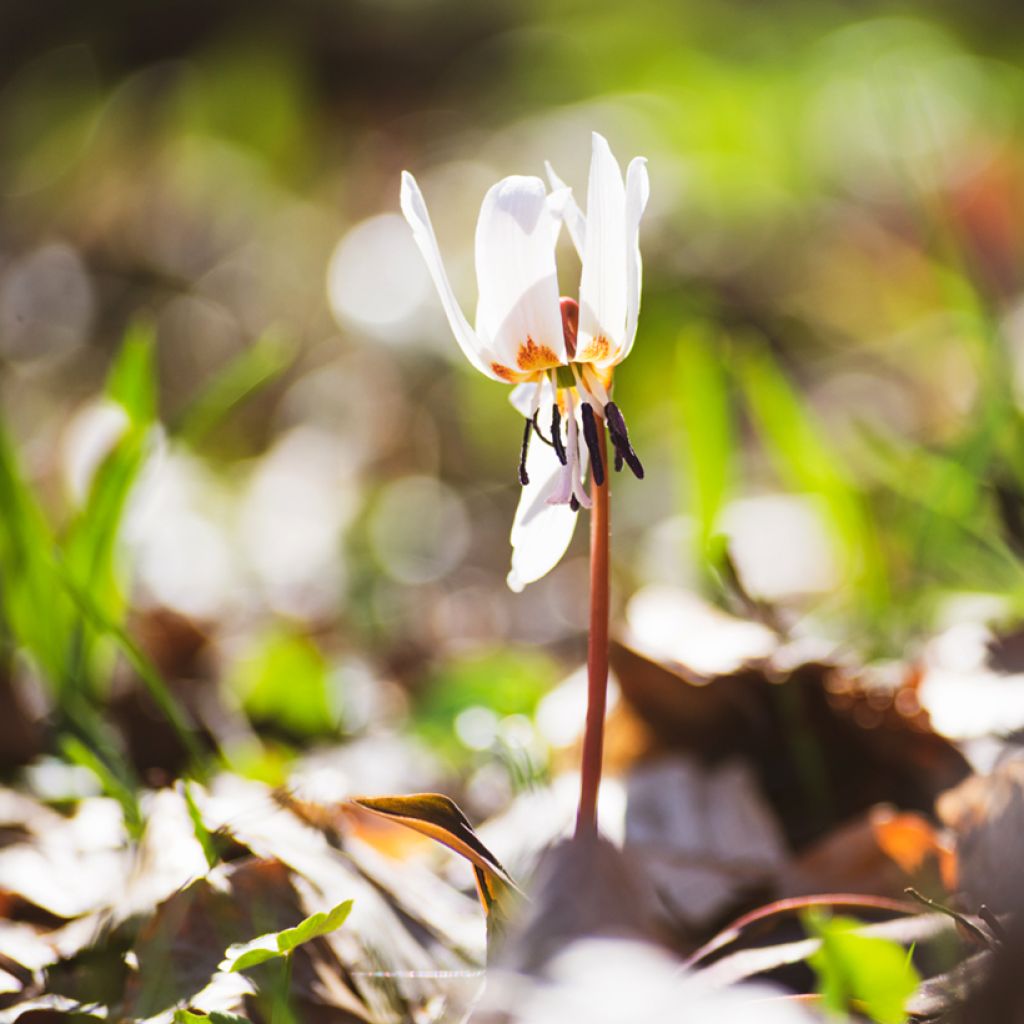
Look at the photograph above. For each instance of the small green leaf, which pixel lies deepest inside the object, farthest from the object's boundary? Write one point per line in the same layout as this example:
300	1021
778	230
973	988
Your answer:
313	927
855	971
214	1017
253	957
280	944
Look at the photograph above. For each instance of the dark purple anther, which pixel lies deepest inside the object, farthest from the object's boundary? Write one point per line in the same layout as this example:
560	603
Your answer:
619	433
590	435
556	435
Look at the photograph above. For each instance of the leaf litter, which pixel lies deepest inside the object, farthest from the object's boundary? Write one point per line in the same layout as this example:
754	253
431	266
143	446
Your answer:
768	783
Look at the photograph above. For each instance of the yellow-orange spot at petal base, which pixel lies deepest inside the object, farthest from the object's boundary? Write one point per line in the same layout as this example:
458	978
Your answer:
596	350
505	373
532	357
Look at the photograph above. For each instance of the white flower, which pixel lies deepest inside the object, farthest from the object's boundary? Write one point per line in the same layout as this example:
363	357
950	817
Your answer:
559	353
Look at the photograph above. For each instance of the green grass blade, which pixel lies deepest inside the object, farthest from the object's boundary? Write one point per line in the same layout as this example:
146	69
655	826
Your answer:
89	547
177	716
805	461
708	441
30	594
257	366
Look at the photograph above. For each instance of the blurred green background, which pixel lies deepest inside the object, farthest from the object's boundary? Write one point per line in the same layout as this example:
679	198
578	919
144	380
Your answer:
287	488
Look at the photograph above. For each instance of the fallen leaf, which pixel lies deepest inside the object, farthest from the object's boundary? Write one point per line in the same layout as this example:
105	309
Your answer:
702	836
986	815
583	887
824	747
440	818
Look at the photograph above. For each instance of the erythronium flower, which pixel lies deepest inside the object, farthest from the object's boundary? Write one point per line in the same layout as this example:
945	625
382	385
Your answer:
560	354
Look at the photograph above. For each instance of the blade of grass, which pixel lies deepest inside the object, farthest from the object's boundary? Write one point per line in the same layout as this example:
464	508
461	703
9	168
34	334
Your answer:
30	595
708	442
177	716
112	778
804	460
257	366
90	544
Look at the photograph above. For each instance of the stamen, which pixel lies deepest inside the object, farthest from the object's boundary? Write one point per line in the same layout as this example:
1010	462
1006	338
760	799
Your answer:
574	503
537	430
556	434
570	483
582	390
590	435
594	385
619	433
524	477
618	459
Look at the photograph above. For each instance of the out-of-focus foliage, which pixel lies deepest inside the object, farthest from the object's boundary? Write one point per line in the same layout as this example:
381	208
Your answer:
856	972
285	684
826	379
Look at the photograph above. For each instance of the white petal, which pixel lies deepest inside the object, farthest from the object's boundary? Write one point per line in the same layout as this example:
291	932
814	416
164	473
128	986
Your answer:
638	189
565	205
415	210
518	314
526	399
603	284
523	398
540	532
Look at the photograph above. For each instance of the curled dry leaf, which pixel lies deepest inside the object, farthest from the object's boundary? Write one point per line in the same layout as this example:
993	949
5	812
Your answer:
440	818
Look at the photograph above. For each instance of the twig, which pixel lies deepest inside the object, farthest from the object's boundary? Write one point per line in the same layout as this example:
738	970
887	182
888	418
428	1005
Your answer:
993	922
965	923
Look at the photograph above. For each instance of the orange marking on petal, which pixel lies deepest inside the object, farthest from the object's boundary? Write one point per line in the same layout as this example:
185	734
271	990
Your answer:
532	356
596	350
505	373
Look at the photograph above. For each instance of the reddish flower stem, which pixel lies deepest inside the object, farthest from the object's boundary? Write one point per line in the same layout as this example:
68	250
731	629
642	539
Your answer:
597	649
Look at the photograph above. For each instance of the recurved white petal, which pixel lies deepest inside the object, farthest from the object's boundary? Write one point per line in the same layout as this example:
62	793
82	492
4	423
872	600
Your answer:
415	210
540	532
518	315
603	283
526	399
564	204
638	189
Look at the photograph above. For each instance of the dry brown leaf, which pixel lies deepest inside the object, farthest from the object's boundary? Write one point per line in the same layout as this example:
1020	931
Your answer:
986	815
702	836
179	949
582	887
914	844
823	747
